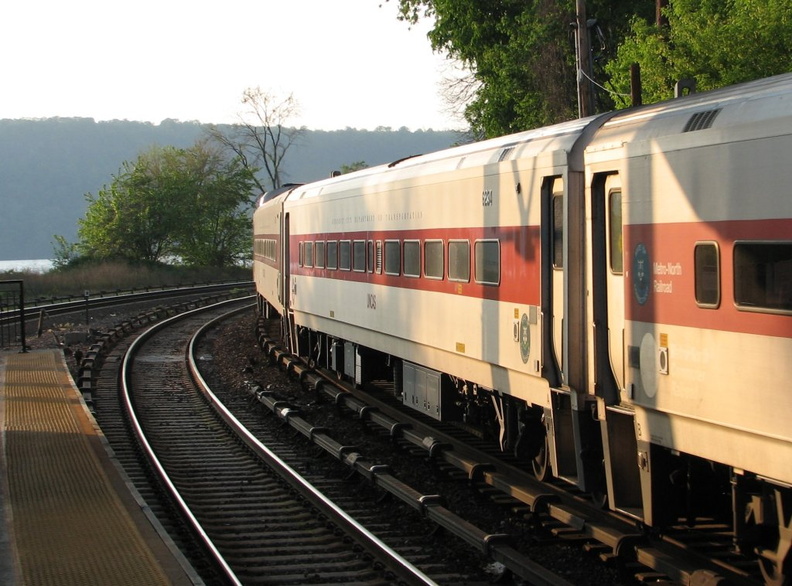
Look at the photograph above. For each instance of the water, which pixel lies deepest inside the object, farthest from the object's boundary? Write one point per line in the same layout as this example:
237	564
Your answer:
41	265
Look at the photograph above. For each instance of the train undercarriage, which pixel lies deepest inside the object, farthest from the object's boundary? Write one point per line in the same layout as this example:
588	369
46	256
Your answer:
658	487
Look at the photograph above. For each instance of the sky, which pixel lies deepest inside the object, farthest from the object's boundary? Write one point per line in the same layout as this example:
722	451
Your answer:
348	63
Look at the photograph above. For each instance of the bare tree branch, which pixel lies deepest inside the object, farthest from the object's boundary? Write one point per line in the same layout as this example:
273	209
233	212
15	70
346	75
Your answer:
262	138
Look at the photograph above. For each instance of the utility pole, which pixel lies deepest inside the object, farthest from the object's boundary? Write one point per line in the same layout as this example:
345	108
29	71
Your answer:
583	57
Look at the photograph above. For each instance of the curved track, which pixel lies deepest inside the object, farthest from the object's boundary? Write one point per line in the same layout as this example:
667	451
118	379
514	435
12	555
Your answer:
264	523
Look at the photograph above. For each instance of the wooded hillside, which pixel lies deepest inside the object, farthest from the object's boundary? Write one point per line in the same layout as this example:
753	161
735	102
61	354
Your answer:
47	167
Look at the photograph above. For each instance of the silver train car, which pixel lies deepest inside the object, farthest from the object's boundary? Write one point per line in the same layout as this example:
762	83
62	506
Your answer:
609	298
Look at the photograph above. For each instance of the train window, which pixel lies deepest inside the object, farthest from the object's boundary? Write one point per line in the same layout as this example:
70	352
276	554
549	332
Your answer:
370	256
359	256
378	261
301	254
706	264
433	259
345	255
332	254
486	255
308	250
459	260
615	224
763	276
412	258
319	256
392	257
558	231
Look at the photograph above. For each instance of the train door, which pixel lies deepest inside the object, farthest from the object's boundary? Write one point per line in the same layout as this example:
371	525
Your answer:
620	450
568	418
553	304
615	276
559	453
557	248
608	295
286	285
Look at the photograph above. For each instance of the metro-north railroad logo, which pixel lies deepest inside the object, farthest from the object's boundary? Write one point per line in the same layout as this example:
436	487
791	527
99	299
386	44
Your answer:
642	269
525	338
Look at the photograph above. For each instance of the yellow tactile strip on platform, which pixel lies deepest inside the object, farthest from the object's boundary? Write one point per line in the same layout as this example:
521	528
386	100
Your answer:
69	525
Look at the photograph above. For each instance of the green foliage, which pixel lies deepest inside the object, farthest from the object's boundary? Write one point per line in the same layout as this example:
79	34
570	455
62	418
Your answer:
522	57
716	42
521	54
356	166
65	252
189	204
219	232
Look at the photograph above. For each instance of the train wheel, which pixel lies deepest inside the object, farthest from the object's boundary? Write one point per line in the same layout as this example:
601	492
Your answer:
541	463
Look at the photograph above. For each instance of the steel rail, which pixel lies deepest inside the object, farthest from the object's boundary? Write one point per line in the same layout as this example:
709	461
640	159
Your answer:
149	451
382	552
497	546
96	301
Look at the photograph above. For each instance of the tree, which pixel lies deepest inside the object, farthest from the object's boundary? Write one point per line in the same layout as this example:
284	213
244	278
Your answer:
217	230
188	204
717	43
520	54
262	137
352	167
64	251
135	216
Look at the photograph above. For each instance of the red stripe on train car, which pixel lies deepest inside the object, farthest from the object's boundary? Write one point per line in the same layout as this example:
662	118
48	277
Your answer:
520	262
663	291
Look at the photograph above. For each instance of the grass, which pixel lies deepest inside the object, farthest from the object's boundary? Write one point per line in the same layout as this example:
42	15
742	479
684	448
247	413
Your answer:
111	277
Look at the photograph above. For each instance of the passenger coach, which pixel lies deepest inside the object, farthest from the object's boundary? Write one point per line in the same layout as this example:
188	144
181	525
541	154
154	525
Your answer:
609	298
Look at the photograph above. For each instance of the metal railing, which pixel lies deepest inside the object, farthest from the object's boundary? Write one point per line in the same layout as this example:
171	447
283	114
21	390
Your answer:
12	300
13	316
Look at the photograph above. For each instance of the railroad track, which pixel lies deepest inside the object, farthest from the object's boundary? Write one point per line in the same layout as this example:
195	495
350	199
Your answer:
548	508
445	534
116	298
681	556
298	538
261	521
18	325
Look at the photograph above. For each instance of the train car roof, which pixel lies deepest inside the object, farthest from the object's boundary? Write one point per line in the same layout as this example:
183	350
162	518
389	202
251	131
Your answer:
273	193
558	138
743	105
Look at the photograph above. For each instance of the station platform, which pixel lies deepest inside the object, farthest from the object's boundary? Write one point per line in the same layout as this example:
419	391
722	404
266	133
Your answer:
68	514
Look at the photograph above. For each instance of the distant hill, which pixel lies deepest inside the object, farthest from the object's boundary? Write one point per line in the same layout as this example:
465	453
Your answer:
47	166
